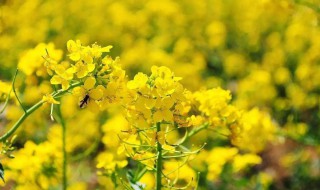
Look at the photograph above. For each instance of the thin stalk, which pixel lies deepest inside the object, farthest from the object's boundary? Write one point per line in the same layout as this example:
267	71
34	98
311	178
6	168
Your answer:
64	151
14	91
193	132
6	102
30	111
20	121
198	129
140	174
87	152
159	160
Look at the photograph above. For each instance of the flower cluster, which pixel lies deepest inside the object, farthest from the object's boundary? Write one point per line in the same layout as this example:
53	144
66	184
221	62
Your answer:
218	157
157	98
160	99
153	99
161	114
102	77
37	166
253	123
214	107
265	52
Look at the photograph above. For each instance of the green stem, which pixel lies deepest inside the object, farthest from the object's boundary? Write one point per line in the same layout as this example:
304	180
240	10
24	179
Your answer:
20	121
159	160
87	152
31	110
6	102
197	130
64	135
140	174
14	91
194	132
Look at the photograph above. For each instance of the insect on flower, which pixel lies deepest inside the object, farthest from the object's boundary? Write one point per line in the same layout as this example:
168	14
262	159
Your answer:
84	101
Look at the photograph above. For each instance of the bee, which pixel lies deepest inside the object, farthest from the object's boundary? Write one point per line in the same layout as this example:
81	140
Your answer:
84	101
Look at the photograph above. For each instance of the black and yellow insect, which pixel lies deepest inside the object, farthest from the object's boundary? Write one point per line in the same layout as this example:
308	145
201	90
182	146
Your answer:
84	101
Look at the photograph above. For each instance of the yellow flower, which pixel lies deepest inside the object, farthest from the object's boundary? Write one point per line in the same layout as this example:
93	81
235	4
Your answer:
214	106
63	76
161	136
216	160
195	120
83	69
97	50
175	169
242	161
74	47
139	117
49	99
213	100
149	180
146	158
33	59
89	94
126	146
164	80
109	161
254	131
112	128
36	165
139	81
163	112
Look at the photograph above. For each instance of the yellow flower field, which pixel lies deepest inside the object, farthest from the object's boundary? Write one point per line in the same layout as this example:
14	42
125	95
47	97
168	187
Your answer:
146	94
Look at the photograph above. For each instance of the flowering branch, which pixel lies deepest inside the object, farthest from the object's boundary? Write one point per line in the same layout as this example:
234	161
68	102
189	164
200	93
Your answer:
31	110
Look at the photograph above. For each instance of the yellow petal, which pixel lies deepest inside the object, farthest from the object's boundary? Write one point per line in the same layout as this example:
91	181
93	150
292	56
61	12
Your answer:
49	99
96	94
168	147
82	73
91	67
59	69
157	116
122	164
167	102
67	76
89	83
154	70
75	56
65	85
106	49
87	58
55	80
50	72
71	45
93	106
132	85
71	70
79	91
121	149
167	115
150	102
